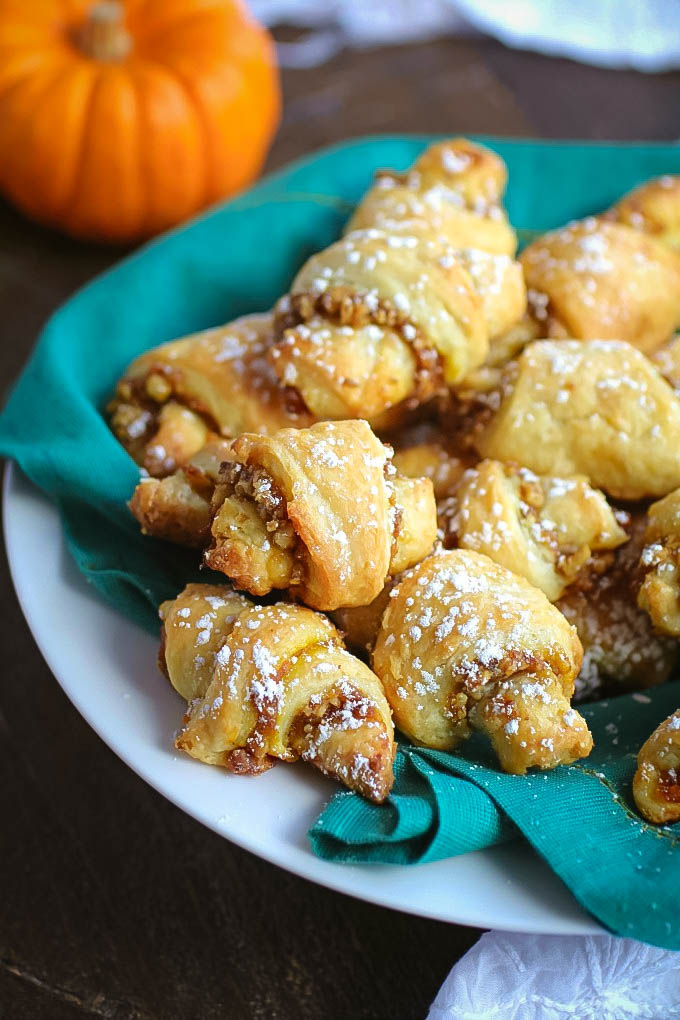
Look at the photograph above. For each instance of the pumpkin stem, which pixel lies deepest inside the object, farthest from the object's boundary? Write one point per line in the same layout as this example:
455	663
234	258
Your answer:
103	35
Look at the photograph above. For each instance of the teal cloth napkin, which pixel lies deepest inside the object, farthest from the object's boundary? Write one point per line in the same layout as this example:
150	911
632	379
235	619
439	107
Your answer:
239	258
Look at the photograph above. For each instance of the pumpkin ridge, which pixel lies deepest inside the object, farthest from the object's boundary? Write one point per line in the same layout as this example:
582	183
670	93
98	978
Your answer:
146	66
60	208
15	139
202	121
36	59
79	163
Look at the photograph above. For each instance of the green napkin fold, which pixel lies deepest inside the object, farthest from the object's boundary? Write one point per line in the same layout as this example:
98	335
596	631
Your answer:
581	818
239	258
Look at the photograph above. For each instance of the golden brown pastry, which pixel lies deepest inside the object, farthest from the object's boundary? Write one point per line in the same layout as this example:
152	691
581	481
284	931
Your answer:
178	507
455	185
667	360
621	650
411	286
195	625
653	207
502	349
320	511
406	303
423	295
660	565
544	528
656	784
176	397
464	644
274	682
360	624
595	408
594	279
346	371
425	451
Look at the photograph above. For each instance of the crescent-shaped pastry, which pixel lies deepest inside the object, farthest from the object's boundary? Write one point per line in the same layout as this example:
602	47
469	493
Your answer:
407	302
411	283
176	397
345	371
653	207
660	565
544	528
275	682
438	303
464	644
599	280
178	507
656	784
595	408
456	186
320	511
621	651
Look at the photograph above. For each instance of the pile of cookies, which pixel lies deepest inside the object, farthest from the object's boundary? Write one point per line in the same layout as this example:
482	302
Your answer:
442	483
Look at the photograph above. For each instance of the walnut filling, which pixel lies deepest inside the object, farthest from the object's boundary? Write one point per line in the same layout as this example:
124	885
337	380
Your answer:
254	543
159	426
256	486
325	734
346	308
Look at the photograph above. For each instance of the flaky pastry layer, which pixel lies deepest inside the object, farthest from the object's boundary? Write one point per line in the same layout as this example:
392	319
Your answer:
597	408
269	683
465	643
175	397
320	511
656	784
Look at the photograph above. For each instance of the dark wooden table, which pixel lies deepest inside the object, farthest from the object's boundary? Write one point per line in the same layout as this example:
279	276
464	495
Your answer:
114	903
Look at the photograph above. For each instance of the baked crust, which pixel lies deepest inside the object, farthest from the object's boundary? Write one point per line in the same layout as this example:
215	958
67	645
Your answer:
455	185
177	508
344	371
405	304
597	408
656	784
271	683
660	566
466	644
194	627
653	207
595	279
318	510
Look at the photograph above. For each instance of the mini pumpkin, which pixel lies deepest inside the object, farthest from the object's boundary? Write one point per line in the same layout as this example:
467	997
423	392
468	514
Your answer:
118	120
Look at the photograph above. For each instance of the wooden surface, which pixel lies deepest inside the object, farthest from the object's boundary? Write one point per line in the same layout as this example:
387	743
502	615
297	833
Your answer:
113	903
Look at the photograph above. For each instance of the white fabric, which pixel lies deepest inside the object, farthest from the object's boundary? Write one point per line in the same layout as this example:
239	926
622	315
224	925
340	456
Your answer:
508	976
642	34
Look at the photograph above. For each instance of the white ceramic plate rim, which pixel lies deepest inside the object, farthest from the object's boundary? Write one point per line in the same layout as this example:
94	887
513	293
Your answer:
106	666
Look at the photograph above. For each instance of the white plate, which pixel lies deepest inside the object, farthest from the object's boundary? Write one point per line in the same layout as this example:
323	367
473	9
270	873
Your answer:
107	667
